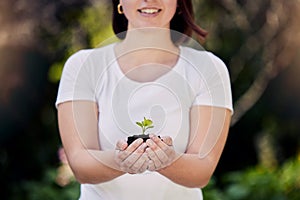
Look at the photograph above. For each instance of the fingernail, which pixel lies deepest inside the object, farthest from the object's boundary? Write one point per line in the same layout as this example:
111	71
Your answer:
150	142
140	140
151	135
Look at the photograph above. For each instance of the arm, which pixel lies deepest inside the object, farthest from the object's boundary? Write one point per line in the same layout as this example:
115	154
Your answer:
78	122
208	133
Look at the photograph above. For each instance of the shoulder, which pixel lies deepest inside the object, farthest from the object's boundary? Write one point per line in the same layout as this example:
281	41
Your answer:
88	59
202	54
90	54
203	60
78	56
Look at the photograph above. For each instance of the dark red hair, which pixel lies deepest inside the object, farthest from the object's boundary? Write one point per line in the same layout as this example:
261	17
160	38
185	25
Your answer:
182	22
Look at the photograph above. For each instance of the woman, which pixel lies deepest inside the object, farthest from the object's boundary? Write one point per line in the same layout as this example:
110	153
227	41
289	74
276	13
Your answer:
186	93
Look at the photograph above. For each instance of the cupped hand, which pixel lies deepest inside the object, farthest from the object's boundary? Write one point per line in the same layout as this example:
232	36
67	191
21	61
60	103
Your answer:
160	152
132	159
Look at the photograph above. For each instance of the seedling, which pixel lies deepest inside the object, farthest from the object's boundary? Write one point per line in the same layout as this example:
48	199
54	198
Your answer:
145	125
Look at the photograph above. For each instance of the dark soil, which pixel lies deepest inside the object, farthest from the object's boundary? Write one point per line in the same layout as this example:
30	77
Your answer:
130	139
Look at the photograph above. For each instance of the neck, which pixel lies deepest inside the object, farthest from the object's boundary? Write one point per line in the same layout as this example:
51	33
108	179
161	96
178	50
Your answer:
148	45
149	38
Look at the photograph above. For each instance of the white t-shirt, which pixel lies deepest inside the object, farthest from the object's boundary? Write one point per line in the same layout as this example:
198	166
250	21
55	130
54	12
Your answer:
198	78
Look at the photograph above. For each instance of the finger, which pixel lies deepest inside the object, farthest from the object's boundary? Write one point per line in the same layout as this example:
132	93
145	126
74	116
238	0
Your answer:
130	149
163	141
152	144
135	144
144	167
121	145
167	140
162	156
151	166
119	154
160	152
153	157
128	162
137	166
133	157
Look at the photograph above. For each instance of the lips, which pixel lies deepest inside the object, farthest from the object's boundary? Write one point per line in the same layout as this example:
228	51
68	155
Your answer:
149	10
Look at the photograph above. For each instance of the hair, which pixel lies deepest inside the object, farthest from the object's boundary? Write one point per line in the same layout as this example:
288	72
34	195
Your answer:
182	22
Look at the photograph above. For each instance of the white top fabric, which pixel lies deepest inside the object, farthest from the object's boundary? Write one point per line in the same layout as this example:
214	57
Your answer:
198	78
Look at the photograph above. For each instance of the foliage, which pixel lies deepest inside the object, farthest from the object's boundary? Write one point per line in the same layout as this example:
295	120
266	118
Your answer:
92	22
47	189
145	125
90	31
259	43
254	183
259	183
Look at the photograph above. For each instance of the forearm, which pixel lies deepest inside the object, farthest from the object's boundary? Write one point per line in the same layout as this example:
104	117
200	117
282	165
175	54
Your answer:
209	131
94	166
79	133
189	170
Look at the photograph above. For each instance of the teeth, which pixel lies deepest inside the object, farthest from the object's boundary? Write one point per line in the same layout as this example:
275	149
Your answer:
149	11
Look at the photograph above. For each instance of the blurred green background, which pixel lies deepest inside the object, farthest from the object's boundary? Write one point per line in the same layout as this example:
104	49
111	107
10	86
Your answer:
259	40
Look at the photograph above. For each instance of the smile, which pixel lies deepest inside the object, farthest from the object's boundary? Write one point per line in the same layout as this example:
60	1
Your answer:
149	10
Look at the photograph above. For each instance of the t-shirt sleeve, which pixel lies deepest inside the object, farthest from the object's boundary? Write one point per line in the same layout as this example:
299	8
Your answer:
215	87
76	81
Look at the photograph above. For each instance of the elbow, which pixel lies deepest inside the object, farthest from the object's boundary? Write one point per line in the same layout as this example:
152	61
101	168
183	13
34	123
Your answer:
205	180
82	171
201	182
81	178
82	175
204	183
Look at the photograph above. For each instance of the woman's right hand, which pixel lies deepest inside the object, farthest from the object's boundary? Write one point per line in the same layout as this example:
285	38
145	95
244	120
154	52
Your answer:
132	159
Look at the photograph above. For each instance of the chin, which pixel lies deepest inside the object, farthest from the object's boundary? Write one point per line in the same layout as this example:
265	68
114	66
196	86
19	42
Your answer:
151	26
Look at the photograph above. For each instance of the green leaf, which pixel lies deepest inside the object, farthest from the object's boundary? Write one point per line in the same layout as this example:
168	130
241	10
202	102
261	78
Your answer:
149	127
145	124
140	124
148	122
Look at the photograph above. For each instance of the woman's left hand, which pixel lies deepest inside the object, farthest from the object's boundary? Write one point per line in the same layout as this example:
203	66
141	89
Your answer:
160	151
